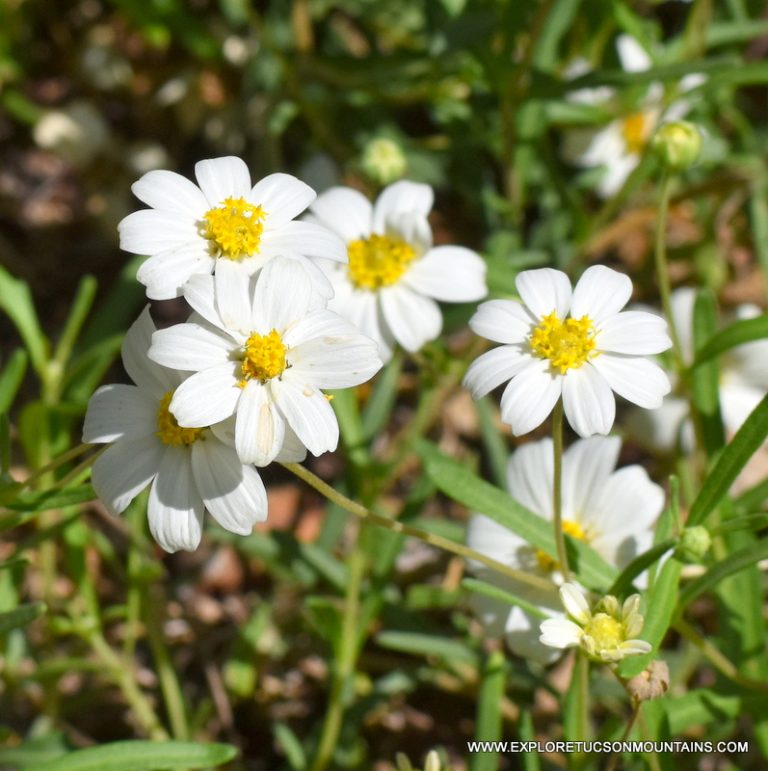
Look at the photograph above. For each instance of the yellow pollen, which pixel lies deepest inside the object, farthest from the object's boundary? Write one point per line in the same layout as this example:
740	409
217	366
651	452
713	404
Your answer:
606	631
264	357
234	228
635	129
378	261
575	530
567	344
168	429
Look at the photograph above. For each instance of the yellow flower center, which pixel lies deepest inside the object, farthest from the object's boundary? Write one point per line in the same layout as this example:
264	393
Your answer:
264	357
168	429
571	528
378	261
606	632
567	344
234	228
635	129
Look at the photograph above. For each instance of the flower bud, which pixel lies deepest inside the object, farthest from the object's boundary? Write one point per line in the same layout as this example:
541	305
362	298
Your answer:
651	683
677	145
694	543
384	160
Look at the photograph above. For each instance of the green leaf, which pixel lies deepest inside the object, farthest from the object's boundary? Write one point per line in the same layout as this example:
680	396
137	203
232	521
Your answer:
81	306
640	563
143	756
460	484
32	753
739	560
730	463
427	645
50	499
495	446
738	333
488	726
11	377
16	301
20	616
703	706
291	746
377	410
501	595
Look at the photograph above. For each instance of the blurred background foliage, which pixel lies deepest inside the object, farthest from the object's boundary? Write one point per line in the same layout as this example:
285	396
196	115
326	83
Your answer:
471	97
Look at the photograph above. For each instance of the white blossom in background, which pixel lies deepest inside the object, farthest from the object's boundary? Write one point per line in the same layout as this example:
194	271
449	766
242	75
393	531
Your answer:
394	275
189	469
612	510
575	343
261	351
619	146
223	220
606	633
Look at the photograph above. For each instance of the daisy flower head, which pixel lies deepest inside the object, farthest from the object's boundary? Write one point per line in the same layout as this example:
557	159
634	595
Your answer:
394	274
223	220
575	343
189	469
607	633
619	146
612	510
261	351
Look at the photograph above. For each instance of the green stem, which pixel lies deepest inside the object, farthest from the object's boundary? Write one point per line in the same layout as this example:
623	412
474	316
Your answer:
79	469
557	484
399	527
55	463
345	663
612	763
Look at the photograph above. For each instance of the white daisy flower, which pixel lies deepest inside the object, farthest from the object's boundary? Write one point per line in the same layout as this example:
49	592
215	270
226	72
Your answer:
606	634
190	229
394	275
613	510
262	353
190	469
743	382
570	343
619	146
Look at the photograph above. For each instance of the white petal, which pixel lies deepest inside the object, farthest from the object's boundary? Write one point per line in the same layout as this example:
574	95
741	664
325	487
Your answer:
635	647
560	633
523	636
190	347
450	274
175	507
200	293
413	228
600	292
633	332
362	309
318	324
638	380
488	537
305	239
283	197
150	377
280	279
207	397
340	361
503	321
545	290
587	466
310	416
413	320
232	492
221	178
632	55
530	474
588	401
169	191
345	211
682	302
495	367
149	231
259	427
401	198
166	273
119	411
530	397
617	172
292	451
605	147
628	502
124	470
233	295
575	603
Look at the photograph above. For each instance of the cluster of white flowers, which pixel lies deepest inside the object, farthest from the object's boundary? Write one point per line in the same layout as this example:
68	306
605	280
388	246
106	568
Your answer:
240	383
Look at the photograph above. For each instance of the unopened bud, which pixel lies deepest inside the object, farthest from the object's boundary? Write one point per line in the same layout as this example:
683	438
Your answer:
694	543
651	683
677	145
384	160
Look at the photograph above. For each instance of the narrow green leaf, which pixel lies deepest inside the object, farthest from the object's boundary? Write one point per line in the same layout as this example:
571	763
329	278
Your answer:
753	498
739	560
623	583
11	377
575	703
527	731
143	756
706	380
738	333
732	460
20	616
460	484
508	598
16	301
291	746
704	706
81	307
758	210
488	726
427	645
495	446
50	499
377	410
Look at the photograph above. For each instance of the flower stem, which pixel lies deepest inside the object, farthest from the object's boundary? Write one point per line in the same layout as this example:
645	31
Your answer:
399	527
557	483
55	463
